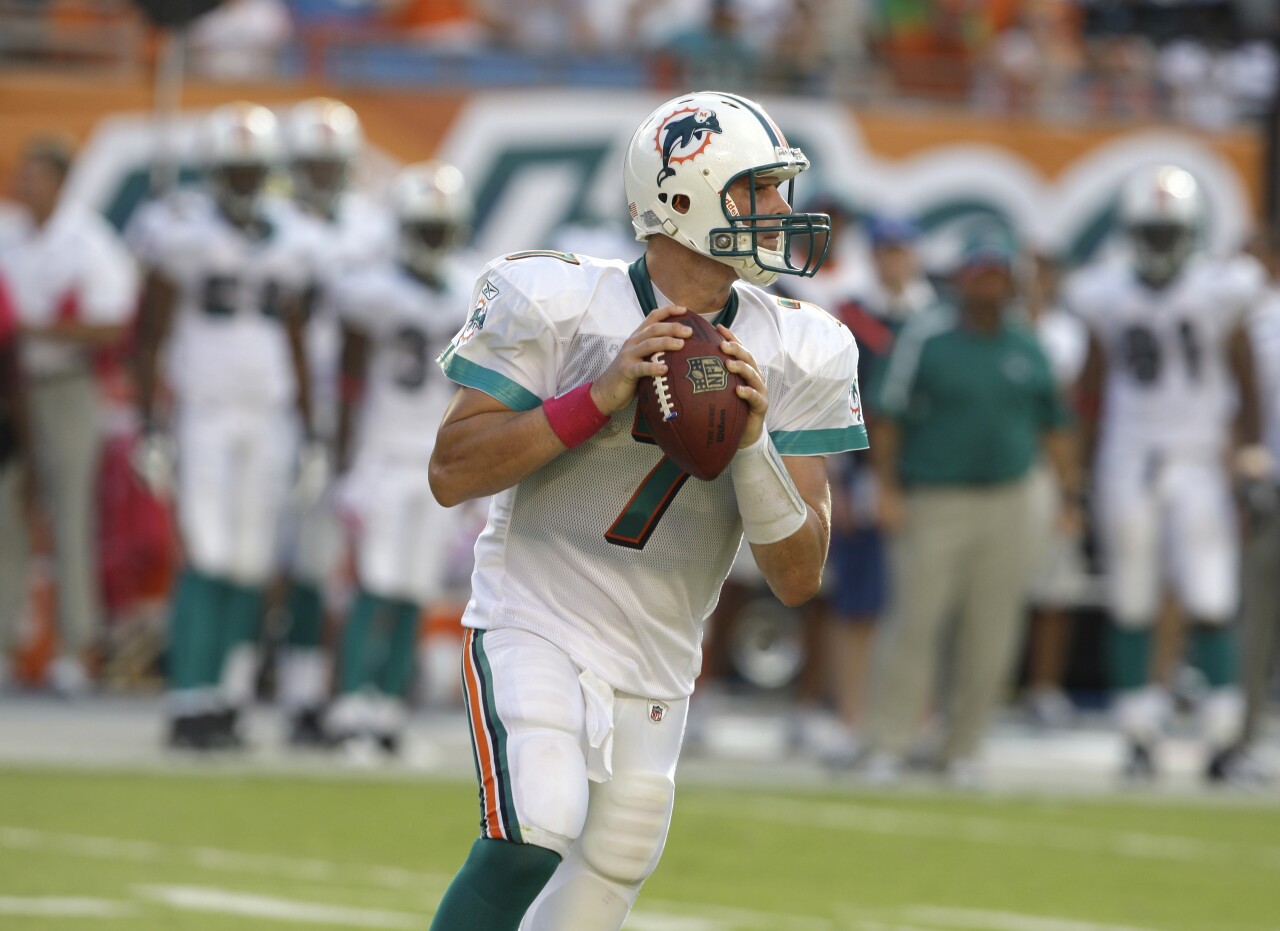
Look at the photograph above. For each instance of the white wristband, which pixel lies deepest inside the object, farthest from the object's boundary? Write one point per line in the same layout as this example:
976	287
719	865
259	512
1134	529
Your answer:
769	502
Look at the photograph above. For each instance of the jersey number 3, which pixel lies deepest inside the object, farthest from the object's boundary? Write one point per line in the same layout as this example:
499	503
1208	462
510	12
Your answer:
639	519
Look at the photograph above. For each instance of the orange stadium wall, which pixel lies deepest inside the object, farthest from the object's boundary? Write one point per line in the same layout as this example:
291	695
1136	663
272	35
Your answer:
540	159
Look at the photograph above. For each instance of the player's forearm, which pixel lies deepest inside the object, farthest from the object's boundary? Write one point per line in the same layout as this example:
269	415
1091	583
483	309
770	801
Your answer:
489	452
1060	448
793	566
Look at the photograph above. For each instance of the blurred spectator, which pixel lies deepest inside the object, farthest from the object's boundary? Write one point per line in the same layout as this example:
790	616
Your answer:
1036	65
17	481
714	54
1122	77
1261	614
874	308
240	40
74	287
1058	579
456	23
967	403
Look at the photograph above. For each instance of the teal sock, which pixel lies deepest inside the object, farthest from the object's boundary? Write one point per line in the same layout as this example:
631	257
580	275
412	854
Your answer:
359	652
240	621
495	886
306	615
1129	656
1213	652
193	629
397	666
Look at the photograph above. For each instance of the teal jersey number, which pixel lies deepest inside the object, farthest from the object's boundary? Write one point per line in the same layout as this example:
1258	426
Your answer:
639	519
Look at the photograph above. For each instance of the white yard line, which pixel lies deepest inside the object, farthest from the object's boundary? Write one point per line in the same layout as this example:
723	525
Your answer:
972	829
230	902
650	916
63	907
983	920
213	858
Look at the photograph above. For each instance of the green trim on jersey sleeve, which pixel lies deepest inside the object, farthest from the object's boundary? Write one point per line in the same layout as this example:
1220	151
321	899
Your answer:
820	442
496	385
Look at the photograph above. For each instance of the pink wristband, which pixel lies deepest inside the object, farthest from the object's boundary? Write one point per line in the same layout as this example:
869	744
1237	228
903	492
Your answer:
574	417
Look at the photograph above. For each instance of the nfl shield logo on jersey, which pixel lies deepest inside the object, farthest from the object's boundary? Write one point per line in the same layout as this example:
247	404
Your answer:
657	711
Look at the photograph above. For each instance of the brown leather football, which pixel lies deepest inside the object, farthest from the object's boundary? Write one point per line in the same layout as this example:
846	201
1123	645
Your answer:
693	412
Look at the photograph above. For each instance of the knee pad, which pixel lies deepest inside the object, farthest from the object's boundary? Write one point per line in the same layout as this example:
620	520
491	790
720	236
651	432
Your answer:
627	825
550	787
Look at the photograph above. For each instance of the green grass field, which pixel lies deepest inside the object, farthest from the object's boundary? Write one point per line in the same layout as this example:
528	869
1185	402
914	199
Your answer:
189	852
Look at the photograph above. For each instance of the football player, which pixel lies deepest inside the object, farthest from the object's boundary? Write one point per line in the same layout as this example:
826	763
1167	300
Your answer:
1168	368
324	142
397	318
601	560
227	268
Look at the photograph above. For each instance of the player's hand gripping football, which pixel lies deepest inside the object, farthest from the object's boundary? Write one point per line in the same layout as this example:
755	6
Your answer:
661	331
743	364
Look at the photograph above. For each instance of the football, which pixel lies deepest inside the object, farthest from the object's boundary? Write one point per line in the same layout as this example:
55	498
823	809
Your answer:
693	412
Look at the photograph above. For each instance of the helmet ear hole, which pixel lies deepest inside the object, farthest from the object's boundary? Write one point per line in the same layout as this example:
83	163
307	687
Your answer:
680	203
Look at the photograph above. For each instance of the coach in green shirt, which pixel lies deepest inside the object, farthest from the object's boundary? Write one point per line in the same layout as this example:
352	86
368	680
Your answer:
967	406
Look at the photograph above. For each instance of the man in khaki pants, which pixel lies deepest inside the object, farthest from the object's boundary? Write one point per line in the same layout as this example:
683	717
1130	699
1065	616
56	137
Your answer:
967	403
73	287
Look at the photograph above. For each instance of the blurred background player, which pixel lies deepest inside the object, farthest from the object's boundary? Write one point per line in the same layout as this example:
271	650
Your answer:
74	287
1261	593
397	318
227	267
18	490
1058	581
968	406
1168	361
324	142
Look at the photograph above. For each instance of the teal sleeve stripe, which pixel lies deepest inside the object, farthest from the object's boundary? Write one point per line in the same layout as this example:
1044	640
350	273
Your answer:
820	442
498	386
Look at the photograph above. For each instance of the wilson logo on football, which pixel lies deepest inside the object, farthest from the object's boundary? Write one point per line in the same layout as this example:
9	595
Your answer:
684	135
707	373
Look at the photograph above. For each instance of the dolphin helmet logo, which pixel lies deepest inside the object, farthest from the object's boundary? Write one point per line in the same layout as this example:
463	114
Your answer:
681	138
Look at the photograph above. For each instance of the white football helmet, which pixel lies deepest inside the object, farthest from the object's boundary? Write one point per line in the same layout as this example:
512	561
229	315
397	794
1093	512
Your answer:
1161	211
324	139
240	144
433	211
678	170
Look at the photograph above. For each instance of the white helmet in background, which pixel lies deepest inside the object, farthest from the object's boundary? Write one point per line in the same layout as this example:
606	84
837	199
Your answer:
678	170
240	144
433	213
1162	212
324	139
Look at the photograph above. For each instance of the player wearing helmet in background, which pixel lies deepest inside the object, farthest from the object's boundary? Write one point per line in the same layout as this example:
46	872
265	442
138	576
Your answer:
600	561
397	317
227	268
1168	366
324	142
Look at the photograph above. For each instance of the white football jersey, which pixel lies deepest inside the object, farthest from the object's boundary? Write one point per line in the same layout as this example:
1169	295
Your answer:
408	325
610	550
228	343
360	234
1169	385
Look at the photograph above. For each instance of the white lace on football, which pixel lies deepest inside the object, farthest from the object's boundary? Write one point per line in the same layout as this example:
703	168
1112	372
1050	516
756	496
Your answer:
663	391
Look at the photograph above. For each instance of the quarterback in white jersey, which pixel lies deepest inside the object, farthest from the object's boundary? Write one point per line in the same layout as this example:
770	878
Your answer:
397	317
601	559
324	142
226	271
1168	371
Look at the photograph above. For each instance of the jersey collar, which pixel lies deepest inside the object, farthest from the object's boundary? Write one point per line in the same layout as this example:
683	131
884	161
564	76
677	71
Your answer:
639	272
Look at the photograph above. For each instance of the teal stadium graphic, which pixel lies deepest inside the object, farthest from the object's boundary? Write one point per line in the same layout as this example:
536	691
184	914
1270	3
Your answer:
534	173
